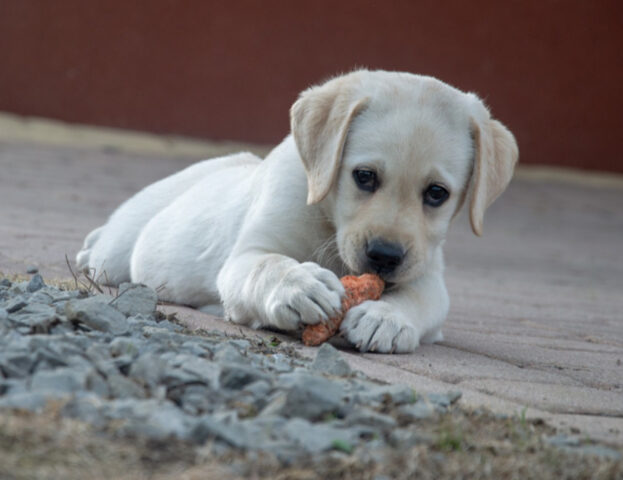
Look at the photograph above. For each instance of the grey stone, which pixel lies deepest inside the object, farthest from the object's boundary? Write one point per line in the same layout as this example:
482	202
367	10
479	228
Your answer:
137	322
97	352
370	418
68	380
396	394
5	282
176	377
240	343
329	360
16	364
124	346
202	368
87	408
120	408
36	283
236	434
97	384
61	328
307	396
162	335
563	440
38	317
161	424
405	438
417	411
135	299
280	363
77	361
31	269
196	399
195	349
600	451
18	288
444	400
12	385
172	327
316	438
97	315
4	315
258	389
236	377
228	354
148	369
41	296
76	340
16	303
47	357
31	401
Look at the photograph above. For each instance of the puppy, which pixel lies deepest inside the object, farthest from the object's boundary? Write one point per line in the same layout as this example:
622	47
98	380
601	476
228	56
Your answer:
377	165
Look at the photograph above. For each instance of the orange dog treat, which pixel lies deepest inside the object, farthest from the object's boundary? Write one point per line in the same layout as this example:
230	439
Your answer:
358	290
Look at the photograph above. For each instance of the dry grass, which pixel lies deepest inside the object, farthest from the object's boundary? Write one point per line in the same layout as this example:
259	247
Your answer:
47	446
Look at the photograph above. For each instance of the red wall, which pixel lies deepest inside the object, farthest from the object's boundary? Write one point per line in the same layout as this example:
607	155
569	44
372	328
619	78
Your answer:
551	70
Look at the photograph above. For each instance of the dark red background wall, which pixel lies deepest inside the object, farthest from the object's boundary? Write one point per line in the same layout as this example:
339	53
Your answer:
552	70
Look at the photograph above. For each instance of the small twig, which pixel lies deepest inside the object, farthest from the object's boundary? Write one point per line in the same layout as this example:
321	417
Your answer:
71	271
107	282
93	283
96	278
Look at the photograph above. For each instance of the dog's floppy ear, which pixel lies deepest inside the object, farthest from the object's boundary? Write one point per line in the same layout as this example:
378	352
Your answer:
495	155
320	119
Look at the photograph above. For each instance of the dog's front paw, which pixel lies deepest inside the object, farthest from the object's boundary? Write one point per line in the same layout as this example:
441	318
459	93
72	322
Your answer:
307	294
376	326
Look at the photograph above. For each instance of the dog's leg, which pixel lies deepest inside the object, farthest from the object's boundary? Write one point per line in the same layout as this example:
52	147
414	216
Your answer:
401	319
276	290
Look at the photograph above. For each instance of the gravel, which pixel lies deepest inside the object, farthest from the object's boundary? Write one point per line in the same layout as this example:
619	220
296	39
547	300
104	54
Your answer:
118	364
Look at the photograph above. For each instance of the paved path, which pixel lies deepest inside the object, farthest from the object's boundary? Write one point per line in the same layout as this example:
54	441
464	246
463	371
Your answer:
537	303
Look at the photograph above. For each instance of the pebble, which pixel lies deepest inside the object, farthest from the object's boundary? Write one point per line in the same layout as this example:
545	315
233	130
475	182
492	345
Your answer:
419	410
444	400
398	394
15	304
329	360
36	283
309	396
33	402
236	377
31	269
96	314
135	299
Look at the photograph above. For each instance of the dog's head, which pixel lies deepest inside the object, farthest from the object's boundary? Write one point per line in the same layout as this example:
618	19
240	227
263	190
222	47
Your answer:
392	157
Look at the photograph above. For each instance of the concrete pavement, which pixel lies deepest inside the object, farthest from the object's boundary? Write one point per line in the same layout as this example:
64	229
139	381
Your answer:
536	318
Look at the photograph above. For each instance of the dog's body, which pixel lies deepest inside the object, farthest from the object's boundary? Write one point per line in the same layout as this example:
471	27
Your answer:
377	165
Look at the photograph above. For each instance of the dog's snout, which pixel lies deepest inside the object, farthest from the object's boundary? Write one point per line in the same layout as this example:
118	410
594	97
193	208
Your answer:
384	257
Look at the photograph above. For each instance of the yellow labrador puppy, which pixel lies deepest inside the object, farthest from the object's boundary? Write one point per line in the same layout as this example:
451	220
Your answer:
377	165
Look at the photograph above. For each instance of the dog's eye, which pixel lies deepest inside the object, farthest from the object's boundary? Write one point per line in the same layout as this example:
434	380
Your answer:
435	195
366	180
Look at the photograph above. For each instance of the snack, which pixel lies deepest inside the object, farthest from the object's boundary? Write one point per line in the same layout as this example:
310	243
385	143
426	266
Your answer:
358	290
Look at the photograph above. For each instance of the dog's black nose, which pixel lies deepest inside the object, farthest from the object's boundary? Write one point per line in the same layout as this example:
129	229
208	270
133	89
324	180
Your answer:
384	257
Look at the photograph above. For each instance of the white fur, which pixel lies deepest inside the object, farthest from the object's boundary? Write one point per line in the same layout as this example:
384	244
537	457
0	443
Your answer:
268	239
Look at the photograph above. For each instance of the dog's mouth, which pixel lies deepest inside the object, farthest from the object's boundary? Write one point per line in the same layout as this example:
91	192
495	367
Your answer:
388	278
